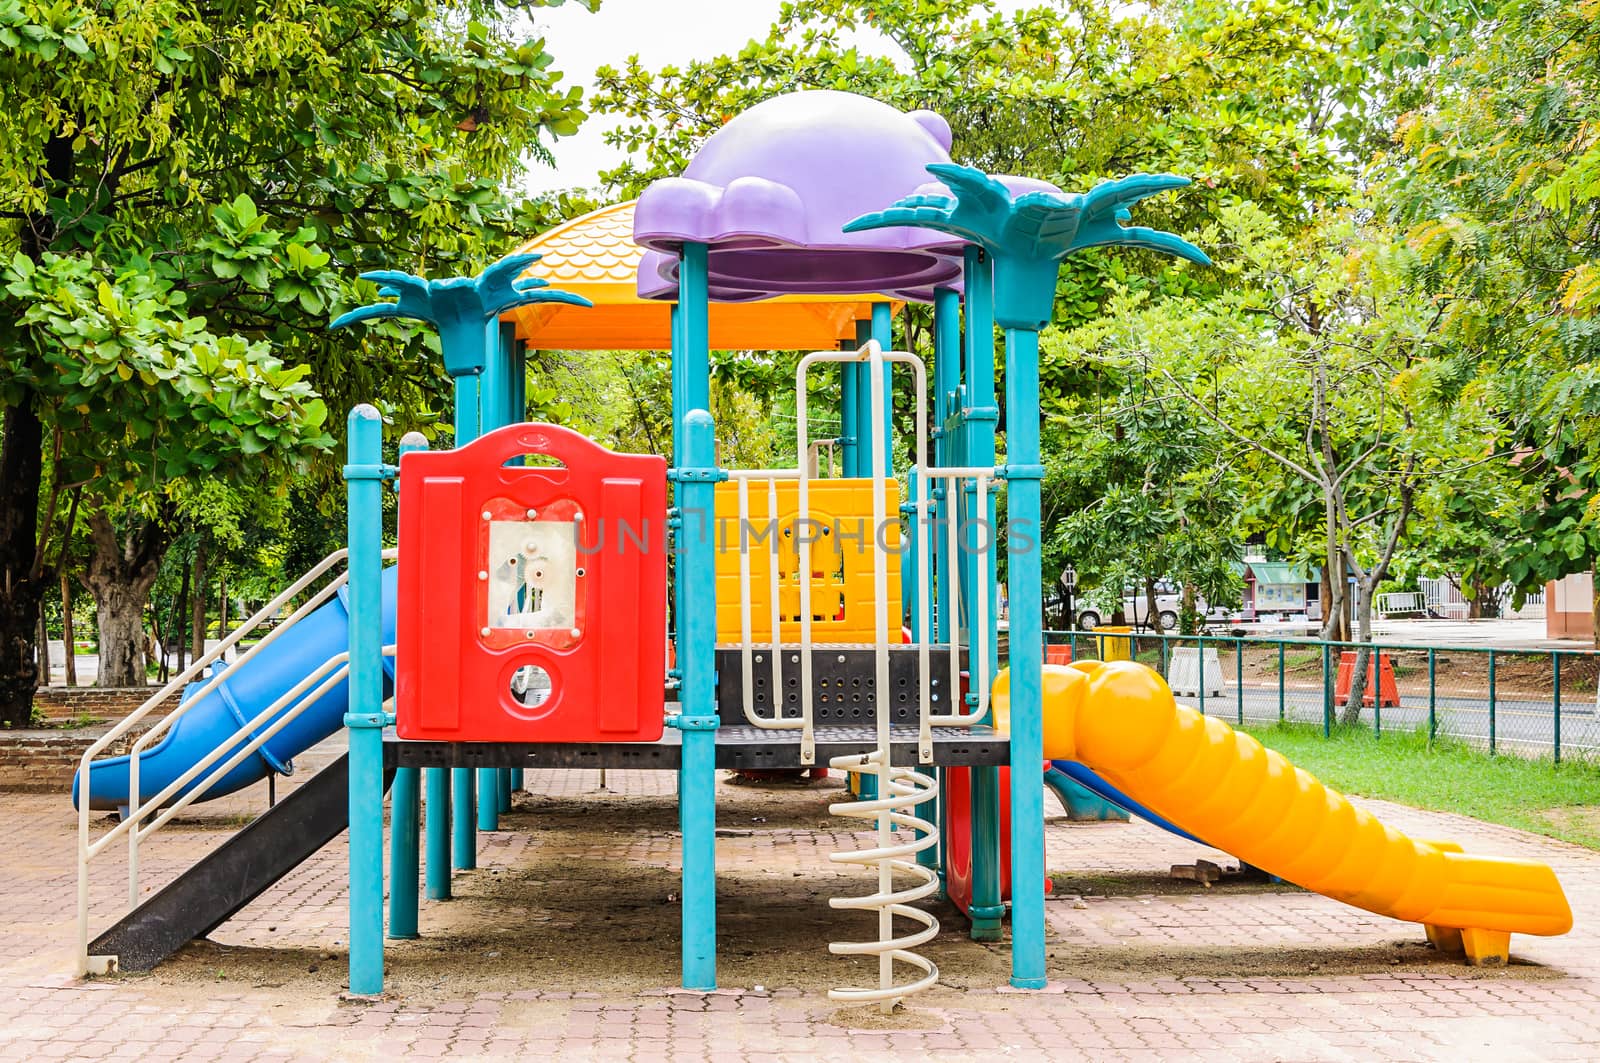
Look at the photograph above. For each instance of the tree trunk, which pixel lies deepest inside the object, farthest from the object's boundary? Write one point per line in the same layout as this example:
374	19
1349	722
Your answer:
1351	715
1152	615
21	466
1189	614
1333	585
222	607
22	583
122	569
1594	606
43	643
197	624
69	638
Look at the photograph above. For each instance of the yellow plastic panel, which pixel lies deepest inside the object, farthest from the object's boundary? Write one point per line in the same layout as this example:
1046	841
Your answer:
1120	719
841	534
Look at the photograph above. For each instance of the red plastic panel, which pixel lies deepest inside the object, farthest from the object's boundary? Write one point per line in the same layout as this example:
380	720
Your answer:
533	599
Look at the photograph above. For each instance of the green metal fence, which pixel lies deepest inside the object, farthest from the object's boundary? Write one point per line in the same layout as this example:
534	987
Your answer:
1534	702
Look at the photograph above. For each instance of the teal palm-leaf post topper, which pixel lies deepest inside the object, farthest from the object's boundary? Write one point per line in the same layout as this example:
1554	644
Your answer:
462	309
465	311
1027	236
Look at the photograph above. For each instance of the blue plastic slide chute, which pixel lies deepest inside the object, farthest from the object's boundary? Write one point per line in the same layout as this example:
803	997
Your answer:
1111	795
246	690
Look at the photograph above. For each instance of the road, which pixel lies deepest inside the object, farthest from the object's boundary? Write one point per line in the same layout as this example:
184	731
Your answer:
1520	724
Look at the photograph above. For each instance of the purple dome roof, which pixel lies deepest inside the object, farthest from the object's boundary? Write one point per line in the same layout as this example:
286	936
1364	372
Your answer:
770	193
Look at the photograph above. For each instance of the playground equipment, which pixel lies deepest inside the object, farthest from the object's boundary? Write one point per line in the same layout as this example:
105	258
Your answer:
820	614
1120	719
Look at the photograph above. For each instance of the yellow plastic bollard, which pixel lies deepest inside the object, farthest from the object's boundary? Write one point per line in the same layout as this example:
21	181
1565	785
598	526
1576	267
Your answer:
1119	648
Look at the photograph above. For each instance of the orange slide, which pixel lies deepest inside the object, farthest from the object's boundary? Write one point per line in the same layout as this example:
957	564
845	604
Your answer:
1120	719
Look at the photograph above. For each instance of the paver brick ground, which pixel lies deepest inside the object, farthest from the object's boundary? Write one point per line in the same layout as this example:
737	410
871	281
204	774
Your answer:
1259	973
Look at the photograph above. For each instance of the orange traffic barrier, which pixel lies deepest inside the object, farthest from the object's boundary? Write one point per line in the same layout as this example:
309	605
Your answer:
1058	653
1380	680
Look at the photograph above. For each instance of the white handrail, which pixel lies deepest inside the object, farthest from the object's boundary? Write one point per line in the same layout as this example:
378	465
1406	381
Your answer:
138	809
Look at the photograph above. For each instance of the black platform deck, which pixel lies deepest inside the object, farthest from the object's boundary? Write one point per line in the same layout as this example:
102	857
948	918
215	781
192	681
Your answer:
738	747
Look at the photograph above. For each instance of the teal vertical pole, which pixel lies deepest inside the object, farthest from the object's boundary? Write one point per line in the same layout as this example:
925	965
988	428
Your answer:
863	392
496	392
946	379
519	383
1491	705
1025	572
849	430
1238	675
436	784
1555	675
502	789
404	816
1433	689
697	719
1200	650
1375	684
868	784
463	797
680	406
980	417
365	717
1280	681
1327	691
883	332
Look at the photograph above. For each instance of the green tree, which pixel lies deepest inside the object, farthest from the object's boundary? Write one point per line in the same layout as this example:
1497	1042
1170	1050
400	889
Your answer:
1150	493
1498	178
234	168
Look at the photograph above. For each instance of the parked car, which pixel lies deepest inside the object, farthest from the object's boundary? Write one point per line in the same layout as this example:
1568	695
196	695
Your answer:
1136	607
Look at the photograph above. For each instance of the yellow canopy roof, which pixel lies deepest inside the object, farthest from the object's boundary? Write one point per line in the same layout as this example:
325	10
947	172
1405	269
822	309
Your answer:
595	256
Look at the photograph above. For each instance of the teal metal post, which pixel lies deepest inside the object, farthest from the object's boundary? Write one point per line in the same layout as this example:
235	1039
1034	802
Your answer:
946	379
1238	675
1025	586
495	398
463	792
1491	705
1555	679
1433	688
365	719
849	430
1280	681
436	784
980	417
1327	691
883	332
405	815
863	392
697	720
519	383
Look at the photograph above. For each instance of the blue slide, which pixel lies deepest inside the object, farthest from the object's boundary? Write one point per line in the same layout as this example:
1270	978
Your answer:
245	691
1087	779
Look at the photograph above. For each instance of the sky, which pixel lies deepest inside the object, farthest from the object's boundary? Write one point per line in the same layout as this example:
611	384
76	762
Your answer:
659	32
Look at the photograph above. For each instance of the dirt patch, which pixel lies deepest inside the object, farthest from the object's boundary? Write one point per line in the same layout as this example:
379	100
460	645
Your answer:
1154	884
1574	819
1144	963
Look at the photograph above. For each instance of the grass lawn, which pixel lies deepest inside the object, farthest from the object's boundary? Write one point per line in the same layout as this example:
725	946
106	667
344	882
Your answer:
1535	795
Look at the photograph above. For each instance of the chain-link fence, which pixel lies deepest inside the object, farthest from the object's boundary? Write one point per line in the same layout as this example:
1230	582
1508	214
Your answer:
1531	702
